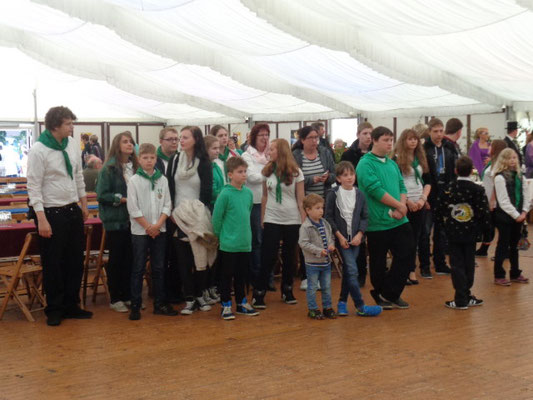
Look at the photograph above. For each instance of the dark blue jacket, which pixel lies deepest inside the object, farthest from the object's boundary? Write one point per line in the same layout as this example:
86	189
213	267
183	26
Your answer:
333	214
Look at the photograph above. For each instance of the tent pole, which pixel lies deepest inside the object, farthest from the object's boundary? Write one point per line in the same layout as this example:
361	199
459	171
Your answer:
36	132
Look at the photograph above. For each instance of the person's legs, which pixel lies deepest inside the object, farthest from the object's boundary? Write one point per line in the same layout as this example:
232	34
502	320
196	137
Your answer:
125	266
402	248
227	265
269	254
116	252
140	251
312	285
458	264
350	282
502	249
378	245
73	258
172	275
157	247
257	239
470	265
185	267
242	260
325	285
361	263
288	252
516	230
424	242
416	219
439	247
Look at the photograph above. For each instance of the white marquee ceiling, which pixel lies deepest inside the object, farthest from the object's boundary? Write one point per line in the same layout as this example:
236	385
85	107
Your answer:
196	61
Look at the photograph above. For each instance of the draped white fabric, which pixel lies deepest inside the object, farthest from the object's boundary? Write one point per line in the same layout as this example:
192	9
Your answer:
187	61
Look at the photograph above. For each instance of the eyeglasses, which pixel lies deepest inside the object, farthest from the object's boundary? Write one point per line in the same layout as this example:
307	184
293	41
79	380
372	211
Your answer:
312	137
173	140
263	135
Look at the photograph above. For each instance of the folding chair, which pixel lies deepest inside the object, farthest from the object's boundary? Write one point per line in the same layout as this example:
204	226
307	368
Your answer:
23	270
100	272
336	260
88	230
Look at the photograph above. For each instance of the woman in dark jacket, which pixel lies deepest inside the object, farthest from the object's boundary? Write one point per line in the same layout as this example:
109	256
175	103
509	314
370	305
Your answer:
111	191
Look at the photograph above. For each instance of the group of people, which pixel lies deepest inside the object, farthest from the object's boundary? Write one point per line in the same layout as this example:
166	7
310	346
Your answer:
214	220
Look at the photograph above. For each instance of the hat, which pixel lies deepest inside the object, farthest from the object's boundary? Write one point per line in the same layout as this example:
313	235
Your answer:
512	126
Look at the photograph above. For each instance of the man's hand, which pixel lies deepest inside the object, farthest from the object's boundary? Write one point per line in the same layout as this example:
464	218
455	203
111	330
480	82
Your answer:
85	213
45	230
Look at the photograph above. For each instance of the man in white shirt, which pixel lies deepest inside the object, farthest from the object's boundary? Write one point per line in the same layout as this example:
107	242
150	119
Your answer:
55	185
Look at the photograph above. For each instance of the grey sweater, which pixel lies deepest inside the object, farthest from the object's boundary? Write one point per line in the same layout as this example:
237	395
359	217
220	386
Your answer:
311	242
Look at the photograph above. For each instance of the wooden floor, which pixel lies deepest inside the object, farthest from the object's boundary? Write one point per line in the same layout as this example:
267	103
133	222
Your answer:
426	352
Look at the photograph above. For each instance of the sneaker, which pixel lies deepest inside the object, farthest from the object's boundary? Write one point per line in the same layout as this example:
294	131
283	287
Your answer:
520	279
135	314
202	305
426	274
329	313
444	270
288	297
502	282
258	301
380	301
369	311
303	284
474	301
207	298
400	303
190	307
118	306
454	305
77	313
342	309
165	309
213	293
226	312
315	314
246	309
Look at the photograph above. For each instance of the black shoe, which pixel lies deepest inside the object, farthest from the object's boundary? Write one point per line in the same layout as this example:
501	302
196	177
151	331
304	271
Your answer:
443	270
380	301
399	303
408	282
288	297
165	309
135	314
329	313
258	300
54	319
78	313
412	281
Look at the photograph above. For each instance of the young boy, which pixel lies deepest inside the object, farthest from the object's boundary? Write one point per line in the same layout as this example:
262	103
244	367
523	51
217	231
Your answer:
231	223
148	206
347	214
465	215
316	241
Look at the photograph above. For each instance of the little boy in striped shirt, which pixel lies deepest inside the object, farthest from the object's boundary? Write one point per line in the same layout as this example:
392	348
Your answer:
316	240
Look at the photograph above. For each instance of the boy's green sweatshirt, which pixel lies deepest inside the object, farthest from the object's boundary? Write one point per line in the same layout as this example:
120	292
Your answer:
231	219
375	177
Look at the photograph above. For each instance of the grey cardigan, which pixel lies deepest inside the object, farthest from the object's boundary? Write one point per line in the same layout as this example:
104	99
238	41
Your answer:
333	214
311	242
327	162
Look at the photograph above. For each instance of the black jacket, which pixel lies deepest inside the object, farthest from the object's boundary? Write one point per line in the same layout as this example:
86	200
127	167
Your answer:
464	211
354	153
359	217
205	172
439	183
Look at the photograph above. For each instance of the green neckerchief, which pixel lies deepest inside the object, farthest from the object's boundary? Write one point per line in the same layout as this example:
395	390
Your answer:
218	180
517	190
50	141
484	169
224	156
415	165
162	155
155	176
278	185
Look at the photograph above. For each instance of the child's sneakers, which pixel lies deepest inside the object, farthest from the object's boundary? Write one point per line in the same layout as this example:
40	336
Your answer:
258	301
369	311
246	309
202	305
520	279
342	309
454	305
502	282
213	293
329	313
207	298
190	307
315	314
474	301
226	312
287	295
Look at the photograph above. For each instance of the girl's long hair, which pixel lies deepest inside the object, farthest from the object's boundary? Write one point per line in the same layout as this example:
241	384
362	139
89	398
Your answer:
405	157
496	148
502	163
286	166
114	152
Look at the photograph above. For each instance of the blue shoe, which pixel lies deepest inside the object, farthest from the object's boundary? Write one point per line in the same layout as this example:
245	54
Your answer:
369	311
226	313
246	309
342	309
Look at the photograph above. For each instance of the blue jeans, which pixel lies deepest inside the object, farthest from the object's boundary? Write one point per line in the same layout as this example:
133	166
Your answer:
314	274
141	245
350	284
257	240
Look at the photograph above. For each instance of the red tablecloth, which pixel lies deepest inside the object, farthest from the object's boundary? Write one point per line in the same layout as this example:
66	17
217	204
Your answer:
12	237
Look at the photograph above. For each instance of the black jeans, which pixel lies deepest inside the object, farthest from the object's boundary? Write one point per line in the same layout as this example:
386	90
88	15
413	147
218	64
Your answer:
119	266
416	219
399	241
439	243
194	282
508	238
463	265
172	276
272	234
234	268
361	262
62	258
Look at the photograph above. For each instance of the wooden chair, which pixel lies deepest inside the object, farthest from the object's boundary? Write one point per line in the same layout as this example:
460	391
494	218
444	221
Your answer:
88	230
25	271
100	275
336	260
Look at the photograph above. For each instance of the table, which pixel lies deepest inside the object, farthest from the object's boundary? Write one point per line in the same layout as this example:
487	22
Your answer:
12	237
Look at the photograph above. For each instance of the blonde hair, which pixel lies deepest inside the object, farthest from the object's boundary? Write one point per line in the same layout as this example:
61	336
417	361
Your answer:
147	148
479	130
209	141
311	200
502	163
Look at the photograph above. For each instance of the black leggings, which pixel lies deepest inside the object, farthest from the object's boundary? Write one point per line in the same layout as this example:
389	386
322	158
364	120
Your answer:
194	281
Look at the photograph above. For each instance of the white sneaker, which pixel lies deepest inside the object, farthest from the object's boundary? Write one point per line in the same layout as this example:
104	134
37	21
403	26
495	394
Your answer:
214	294
190	307
202	305
118	306
208	299
303	284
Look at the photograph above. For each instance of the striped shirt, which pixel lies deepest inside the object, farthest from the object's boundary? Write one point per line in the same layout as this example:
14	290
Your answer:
312	168
322	230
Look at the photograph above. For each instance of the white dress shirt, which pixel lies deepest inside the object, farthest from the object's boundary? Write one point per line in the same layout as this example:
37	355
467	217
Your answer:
49	184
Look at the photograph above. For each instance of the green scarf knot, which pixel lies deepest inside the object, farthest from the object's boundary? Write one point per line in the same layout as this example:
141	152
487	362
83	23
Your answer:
155	176
50	141
162	155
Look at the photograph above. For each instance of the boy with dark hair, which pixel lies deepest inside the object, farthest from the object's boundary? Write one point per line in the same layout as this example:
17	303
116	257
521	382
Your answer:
231	224
453	130
381	181
464	213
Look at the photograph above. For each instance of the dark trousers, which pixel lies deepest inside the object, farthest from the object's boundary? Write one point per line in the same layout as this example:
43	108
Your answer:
119	266
142	246
172	276
463	265
62	258
508	238
272	235
194	282
257	240
234	268
361	262
439	243
399	241
416	219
